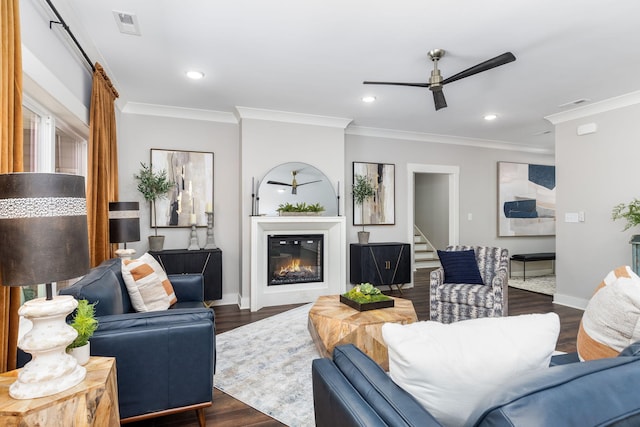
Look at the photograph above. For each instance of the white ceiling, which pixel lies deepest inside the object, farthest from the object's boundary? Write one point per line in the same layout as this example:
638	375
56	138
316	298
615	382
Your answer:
312	56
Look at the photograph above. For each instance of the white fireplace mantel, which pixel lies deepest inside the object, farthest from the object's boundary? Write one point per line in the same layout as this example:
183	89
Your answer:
333	228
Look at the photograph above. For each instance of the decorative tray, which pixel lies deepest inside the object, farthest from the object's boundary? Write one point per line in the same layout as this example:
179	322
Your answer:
367	306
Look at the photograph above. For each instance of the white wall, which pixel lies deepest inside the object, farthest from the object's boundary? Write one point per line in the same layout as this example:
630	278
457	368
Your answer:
268	143
478	187
53	72
138	134
431	208
595	172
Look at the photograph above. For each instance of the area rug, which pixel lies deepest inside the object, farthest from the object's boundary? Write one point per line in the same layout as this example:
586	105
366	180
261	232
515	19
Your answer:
540	284
267	365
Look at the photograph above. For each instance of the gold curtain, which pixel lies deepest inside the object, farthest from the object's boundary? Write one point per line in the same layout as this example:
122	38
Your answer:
102	180
10	157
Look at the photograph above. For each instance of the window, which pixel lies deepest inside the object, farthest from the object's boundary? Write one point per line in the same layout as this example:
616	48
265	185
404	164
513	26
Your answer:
50	145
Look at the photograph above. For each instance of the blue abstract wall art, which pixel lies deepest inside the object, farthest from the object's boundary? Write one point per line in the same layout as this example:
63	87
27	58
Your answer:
526	199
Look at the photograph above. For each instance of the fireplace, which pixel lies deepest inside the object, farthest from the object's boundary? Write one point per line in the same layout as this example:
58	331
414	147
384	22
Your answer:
295	259
328	252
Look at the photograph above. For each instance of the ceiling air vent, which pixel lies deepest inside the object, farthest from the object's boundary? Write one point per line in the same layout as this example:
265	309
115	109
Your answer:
574	103
127	22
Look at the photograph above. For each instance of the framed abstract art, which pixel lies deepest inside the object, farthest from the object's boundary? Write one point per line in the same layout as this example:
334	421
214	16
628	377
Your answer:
526	199
191	173
380	208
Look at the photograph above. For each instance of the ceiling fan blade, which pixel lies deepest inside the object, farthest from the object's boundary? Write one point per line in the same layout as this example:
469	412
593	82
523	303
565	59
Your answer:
397	84
505	58
278	183
438	99
310	182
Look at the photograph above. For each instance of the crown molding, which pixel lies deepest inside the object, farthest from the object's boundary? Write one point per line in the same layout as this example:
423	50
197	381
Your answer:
621	101
288	117
444	139
178	112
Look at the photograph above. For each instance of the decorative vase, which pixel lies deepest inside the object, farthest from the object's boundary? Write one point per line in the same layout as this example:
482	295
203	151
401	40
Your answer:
81	354
156	243
635	253
363	237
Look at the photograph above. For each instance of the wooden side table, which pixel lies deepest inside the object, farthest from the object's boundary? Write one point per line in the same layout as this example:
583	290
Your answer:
332	323
93	402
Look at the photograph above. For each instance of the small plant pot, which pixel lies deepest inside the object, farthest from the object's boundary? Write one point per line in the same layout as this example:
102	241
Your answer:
81	354
363	237
156	243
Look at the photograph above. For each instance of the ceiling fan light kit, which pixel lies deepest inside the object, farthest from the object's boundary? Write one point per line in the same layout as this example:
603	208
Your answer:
436	82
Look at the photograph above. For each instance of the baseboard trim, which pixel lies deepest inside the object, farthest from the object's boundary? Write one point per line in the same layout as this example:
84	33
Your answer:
531	272
569	301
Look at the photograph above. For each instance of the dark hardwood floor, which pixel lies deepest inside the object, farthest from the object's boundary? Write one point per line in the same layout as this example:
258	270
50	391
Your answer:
229	412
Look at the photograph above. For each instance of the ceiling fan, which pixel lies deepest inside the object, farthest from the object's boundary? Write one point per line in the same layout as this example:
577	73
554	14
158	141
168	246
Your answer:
436	82
294	184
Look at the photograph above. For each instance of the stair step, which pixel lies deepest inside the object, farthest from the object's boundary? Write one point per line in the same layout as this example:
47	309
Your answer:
424	255
420	247
427	264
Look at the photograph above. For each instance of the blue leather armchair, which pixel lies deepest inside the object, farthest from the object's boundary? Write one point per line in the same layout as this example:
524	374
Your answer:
165	360
352	390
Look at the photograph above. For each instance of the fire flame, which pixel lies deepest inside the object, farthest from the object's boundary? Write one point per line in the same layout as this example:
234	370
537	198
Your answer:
294	267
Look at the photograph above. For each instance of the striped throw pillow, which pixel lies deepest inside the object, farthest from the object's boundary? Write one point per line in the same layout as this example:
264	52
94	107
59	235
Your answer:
611	320
147	284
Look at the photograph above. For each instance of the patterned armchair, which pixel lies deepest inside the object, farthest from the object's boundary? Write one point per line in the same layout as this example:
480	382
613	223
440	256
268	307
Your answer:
453	302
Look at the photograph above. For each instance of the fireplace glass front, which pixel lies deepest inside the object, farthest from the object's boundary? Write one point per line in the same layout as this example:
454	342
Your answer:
295	259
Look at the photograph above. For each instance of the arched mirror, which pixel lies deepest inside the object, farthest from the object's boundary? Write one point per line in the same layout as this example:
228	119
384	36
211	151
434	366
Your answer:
295	183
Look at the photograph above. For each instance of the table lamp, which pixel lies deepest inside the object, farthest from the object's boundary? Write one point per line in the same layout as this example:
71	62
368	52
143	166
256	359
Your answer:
124	226
43	224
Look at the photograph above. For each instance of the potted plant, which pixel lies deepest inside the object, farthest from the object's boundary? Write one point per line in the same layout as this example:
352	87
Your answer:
362	190
630	212
153	186
85	323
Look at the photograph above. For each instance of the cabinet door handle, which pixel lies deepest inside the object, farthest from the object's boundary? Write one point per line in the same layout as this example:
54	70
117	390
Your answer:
387	265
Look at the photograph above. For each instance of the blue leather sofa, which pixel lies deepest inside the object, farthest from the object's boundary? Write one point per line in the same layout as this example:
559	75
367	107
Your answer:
165	360
352	390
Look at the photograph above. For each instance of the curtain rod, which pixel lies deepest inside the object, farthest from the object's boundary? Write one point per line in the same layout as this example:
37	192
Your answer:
68	30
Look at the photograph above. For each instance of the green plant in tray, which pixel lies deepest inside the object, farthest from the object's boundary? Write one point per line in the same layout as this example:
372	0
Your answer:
365	293
300	207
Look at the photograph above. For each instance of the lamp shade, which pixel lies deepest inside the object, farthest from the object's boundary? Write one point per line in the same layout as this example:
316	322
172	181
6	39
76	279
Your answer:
124	222
43	224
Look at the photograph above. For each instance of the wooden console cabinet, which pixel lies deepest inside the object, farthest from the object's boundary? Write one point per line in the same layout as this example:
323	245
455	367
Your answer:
381	263
207	262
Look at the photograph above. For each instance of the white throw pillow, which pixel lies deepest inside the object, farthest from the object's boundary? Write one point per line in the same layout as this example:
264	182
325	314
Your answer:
147	284
449	368
611	320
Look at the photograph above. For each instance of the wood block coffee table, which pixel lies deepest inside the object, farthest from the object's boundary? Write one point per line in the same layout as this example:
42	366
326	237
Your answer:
332	323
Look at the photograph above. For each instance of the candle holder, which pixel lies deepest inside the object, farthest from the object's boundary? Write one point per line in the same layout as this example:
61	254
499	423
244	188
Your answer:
211	243
193	243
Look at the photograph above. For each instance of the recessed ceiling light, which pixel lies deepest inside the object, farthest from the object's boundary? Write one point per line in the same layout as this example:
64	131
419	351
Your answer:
489	117
368	99
195	75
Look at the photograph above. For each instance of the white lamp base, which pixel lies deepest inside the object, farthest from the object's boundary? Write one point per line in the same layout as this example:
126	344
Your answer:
125	253
51	370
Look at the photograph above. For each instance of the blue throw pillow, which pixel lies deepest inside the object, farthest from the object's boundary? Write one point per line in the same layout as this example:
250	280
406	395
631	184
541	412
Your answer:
460	267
